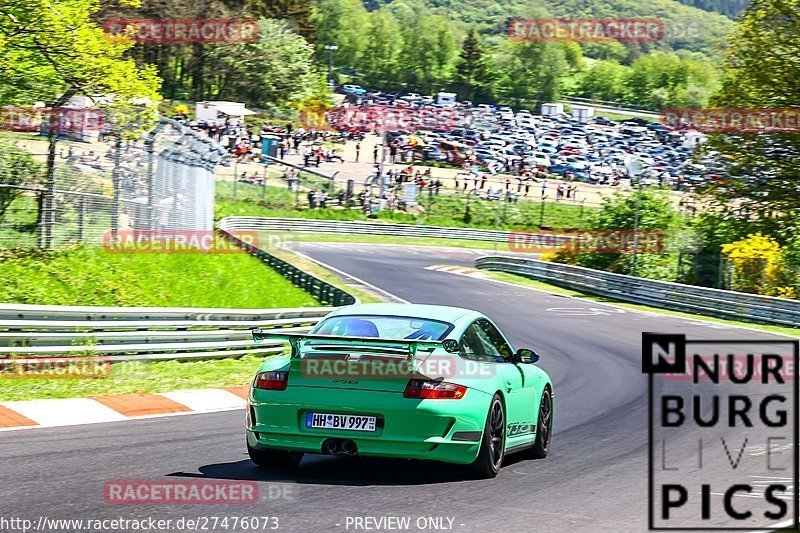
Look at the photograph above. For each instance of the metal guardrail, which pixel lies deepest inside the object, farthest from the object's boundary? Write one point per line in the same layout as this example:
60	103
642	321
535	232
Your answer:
140	333
607	103
663	294
161	333
237	223
323	291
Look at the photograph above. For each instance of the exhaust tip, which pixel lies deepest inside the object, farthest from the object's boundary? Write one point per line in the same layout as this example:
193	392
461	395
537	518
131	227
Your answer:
349	447
330	446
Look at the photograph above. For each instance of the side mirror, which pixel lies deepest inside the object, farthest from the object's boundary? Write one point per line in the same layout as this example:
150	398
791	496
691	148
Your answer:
450	345
525	355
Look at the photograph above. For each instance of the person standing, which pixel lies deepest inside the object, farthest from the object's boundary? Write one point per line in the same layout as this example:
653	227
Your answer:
375	154
358	150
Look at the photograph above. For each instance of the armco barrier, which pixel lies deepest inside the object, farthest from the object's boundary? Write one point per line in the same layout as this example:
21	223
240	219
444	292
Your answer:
663	294
321	290
359	227
141	333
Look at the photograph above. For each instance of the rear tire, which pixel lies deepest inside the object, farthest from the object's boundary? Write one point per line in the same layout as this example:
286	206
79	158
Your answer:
490	457
544	427
276	459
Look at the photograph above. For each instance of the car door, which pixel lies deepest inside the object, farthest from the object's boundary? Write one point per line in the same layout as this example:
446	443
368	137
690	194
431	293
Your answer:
476	344
522	399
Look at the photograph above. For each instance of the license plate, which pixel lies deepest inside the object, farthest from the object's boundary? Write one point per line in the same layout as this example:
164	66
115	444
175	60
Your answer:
334	421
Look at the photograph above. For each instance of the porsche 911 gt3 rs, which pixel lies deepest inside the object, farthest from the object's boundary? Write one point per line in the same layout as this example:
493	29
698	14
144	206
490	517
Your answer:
400	380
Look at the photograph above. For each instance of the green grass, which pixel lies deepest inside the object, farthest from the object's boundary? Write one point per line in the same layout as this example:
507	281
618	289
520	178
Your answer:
555	289
93	276
245	192
447	210
138	376
502	245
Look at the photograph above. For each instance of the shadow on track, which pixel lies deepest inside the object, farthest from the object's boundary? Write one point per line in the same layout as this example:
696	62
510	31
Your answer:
348	471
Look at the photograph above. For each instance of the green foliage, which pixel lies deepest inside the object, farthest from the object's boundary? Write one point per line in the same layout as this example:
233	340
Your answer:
618	212
445	211
138	376
730	8
50	51
530	73
341	23
658	79
276	69
298	13
762	70
758	266
92	276
17	167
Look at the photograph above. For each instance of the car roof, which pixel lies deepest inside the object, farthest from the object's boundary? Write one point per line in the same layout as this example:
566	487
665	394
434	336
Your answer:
444	313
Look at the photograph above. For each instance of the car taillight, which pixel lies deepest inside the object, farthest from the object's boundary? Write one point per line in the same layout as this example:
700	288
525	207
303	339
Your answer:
434	390
275	380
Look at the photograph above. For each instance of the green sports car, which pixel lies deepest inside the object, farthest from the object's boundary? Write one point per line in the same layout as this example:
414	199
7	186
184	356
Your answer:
400	380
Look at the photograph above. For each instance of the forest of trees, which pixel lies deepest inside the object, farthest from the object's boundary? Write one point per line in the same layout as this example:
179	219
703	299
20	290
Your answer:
407	45
428	46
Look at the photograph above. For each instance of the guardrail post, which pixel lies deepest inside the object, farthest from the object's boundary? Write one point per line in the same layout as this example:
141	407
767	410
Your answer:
81	219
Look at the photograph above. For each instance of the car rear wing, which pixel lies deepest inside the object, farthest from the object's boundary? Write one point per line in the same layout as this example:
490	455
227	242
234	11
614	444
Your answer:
407	347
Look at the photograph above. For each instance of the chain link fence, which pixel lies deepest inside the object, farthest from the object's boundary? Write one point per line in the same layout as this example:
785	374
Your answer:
163	181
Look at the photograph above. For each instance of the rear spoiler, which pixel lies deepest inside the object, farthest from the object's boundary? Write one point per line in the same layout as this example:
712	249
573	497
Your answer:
409	347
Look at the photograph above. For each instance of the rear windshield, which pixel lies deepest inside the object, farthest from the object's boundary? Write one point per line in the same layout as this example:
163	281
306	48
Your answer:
385	327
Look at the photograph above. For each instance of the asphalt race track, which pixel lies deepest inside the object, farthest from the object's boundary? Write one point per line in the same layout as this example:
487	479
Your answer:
595	478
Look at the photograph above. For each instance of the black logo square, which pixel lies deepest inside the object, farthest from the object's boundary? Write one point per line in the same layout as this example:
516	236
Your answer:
663	353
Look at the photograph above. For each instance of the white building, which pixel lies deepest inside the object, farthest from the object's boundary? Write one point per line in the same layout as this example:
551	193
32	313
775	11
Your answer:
221	110
549	110
582	113
446	98
693	139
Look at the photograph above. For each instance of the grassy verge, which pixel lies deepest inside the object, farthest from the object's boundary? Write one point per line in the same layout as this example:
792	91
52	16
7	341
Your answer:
93	276
138	376
450	211
554	289
502	245
365	294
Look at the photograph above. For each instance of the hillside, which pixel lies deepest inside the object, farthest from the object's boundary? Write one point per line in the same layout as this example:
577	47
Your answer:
688	28
730	8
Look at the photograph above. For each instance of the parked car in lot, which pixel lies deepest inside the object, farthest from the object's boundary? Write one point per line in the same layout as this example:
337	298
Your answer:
354	89
508	139
429	153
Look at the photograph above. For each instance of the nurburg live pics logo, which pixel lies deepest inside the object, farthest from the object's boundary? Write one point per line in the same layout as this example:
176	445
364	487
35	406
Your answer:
722	433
